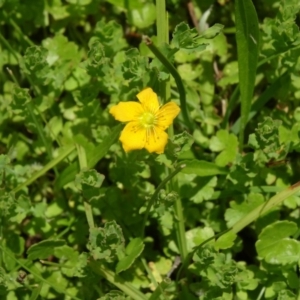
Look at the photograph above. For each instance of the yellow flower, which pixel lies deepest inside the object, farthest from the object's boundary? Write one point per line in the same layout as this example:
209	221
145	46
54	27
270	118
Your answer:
147	122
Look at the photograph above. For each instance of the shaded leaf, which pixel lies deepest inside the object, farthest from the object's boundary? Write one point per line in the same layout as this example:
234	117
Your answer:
44	249
133	251
201	168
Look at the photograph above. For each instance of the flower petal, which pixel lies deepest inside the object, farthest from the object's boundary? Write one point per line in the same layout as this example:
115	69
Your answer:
167	114
156	141
133	136
126	111
149	100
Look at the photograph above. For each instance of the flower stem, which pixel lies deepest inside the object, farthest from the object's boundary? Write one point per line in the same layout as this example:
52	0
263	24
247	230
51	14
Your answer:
87	206
162	38
155	194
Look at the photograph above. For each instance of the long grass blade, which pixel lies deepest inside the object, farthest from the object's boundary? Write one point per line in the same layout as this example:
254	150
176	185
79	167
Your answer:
247	38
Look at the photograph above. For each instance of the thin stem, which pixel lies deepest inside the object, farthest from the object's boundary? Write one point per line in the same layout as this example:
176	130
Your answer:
17	28
263	61
87	206
155	194
162	38
261	293
179	223
8	46
116	280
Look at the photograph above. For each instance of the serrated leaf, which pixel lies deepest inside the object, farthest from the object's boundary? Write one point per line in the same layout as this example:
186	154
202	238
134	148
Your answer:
89	182
201	168
275	246
110	34
185	38
189	39
20	98
133	250
106	243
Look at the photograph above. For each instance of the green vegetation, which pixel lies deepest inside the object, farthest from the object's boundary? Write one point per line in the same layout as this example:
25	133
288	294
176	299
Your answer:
216	216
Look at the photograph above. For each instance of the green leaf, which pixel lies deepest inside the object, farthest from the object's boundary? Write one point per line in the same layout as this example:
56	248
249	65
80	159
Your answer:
110	34
4	164
44	249
225	241
35	61
212	31
275	246
113	295
227	144
198	235
15	243
106	243
247	38
20	98
143	17
205	189
266	141
89	182
239	210
201	168
189	39
133	251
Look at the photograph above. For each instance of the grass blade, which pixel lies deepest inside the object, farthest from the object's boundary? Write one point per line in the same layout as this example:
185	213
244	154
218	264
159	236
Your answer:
247	37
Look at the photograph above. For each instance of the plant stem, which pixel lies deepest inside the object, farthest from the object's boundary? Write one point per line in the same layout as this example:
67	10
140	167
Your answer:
162	38
87	206
99	268
155	194
17	28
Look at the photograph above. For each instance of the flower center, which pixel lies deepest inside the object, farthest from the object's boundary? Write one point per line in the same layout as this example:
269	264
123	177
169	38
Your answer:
147	119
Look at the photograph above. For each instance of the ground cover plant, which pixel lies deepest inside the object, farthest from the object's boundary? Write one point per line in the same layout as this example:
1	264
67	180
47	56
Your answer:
149	150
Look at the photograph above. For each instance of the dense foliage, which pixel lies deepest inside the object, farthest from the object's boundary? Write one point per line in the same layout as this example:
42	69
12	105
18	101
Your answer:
215	216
